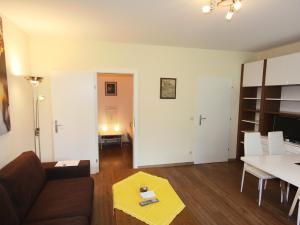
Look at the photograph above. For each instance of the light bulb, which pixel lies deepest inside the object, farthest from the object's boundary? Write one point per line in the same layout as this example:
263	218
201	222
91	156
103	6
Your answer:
34	83
117	127
237	5
41	98
104	127
206	9
229	15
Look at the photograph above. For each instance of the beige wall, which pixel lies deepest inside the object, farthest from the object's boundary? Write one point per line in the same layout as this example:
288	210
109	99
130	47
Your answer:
165	129
279	51
164	126
20	138
118	109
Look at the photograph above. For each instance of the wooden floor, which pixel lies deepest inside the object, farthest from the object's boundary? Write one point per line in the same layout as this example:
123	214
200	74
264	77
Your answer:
210	192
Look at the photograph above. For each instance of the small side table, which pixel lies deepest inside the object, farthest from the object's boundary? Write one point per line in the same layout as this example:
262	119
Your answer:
110	137
105	139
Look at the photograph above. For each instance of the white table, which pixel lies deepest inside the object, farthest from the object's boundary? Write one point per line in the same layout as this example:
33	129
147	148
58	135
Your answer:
281	166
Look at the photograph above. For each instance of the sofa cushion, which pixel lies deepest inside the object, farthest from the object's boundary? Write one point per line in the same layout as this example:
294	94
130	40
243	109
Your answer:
79	220
63	198
7	212
23	179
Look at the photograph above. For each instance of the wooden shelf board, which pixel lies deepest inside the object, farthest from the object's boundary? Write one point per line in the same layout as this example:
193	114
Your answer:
248	131
258	86
283	99
250	121
250	98
251	110
284	113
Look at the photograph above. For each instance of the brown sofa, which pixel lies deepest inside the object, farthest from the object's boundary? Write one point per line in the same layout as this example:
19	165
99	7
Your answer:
32	193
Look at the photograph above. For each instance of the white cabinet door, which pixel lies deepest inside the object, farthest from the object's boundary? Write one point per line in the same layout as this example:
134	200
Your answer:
283	70
253	74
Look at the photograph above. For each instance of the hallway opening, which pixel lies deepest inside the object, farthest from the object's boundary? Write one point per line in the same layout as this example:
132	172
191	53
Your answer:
115	120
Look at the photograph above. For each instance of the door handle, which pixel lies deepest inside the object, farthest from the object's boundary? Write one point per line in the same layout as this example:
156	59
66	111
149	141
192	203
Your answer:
56	125
200	119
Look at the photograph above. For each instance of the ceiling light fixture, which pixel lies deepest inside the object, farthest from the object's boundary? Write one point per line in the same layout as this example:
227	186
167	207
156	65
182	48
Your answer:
232	5
206	9
229	14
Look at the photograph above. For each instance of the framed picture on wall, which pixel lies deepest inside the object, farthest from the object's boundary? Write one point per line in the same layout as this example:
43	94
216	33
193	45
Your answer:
4	101
110	88
167	88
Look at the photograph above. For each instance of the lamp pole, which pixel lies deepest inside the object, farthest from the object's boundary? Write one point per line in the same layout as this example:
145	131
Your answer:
35	82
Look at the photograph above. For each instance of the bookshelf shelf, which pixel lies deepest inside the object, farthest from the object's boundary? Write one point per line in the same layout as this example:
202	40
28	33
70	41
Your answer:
249	98
285	114
248	131
251	110
251	121
283	99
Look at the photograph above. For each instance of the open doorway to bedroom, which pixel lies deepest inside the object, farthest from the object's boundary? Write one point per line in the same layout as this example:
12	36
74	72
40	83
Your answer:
115	120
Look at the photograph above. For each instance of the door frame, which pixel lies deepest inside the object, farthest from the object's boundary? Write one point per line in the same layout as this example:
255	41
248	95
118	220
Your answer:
135	108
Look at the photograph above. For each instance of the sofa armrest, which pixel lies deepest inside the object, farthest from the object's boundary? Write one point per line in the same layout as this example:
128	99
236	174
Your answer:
54	173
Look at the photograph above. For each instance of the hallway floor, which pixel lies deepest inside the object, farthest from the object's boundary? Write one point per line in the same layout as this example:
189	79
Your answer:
113	157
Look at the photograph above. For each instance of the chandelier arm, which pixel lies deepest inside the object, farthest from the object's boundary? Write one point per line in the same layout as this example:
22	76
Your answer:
225	3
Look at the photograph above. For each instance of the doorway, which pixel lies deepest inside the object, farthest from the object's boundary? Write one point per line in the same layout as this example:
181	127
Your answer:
115	120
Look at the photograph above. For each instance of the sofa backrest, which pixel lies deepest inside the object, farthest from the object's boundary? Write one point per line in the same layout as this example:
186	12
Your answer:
23	179
8	214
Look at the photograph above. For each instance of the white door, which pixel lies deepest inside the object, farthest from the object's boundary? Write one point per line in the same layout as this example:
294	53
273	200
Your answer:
213	119
74	99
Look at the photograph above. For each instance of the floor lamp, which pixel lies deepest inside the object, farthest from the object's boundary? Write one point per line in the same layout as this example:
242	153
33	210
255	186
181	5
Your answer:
35	82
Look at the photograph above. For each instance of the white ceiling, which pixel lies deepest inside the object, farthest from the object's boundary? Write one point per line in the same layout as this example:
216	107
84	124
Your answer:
261	24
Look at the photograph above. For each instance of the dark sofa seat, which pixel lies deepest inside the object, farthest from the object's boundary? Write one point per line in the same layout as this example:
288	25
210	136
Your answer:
30	194
63	198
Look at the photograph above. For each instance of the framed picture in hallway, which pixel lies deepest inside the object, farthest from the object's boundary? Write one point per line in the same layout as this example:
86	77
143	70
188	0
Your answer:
167	88
4	101
110	88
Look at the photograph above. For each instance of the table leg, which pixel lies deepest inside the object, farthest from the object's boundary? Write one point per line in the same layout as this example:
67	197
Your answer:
283	191
114	216
294	202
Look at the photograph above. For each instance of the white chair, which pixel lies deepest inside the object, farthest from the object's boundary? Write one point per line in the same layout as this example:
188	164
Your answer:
276	147
253	147
276	143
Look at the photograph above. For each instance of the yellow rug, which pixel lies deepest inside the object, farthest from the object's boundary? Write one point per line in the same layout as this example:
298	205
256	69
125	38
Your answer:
126	197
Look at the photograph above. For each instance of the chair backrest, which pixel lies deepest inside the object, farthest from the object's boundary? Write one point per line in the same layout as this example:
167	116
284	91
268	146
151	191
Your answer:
252	144
276	143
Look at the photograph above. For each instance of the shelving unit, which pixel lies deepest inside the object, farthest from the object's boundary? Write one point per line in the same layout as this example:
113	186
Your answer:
263	99
250	101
